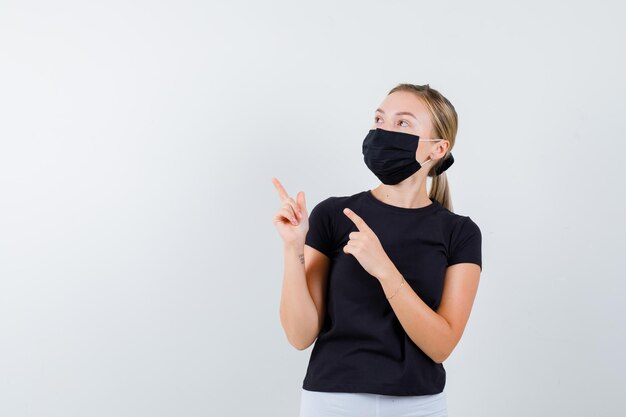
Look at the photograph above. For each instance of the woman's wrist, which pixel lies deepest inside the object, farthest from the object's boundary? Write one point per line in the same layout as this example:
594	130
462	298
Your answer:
294	246
392	283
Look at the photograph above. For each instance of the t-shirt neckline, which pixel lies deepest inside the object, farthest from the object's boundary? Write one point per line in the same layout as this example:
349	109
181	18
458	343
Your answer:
425	209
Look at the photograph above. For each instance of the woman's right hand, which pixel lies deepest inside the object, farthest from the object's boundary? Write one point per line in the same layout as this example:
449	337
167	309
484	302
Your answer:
291	219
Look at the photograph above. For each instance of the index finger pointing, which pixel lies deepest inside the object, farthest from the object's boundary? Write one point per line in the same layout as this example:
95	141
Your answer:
282	193
356	219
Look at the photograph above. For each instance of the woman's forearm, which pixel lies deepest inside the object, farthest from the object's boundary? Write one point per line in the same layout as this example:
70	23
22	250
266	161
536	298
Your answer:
298	314
427	329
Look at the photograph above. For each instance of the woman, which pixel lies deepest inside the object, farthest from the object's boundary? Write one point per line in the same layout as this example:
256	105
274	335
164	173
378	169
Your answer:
382	280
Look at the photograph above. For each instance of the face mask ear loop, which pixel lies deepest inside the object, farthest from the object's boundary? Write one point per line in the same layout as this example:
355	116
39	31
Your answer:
429	140
425	162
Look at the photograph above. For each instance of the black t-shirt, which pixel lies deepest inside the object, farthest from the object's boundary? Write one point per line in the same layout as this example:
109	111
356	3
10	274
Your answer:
362	347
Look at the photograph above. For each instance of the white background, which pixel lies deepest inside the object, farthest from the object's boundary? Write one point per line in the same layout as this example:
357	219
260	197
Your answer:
140	272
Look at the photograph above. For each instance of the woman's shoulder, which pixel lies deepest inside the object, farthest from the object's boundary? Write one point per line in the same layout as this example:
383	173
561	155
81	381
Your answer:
457	222
333	201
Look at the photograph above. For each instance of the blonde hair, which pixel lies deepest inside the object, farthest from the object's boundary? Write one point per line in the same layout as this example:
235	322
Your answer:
445	121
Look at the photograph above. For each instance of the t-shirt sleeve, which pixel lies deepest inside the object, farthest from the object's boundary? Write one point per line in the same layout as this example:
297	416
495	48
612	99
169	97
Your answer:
466	243
320	232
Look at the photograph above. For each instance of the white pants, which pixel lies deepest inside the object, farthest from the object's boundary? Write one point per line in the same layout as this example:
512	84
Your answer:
349	404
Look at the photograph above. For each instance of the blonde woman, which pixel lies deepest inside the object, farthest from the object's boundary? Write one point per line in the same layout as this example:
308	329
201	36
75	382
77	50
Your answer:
383	281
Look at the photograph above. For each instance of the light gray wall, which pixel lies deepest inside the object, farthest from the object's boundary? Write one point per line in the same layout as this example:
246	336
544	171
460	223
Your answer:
140	272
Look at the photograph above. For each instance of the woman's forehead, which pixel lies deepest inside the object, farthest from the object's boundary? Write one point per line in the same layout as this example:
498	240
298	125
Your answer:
404	104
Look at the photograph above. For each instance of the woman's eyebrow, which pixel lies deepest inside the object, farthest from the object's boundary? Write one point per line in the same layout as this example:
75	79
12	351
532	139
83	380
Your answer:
402	113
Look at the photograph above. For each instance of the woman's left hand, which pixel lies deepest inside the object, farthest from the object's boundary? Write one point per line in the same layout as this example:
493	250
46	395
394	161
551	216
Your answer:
366	248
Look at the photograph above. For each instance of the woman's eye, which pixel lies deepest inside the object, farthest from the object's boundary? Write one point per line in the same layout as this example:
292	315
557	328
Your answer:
376	118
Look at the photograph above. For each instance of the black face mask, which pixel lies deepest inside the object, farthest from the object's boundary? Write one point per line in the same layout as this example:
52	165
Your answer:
391	155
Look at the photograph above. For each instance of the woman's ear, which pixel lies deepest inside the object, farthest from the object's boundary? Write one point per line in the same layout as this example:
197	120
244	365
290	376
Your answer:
441	148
